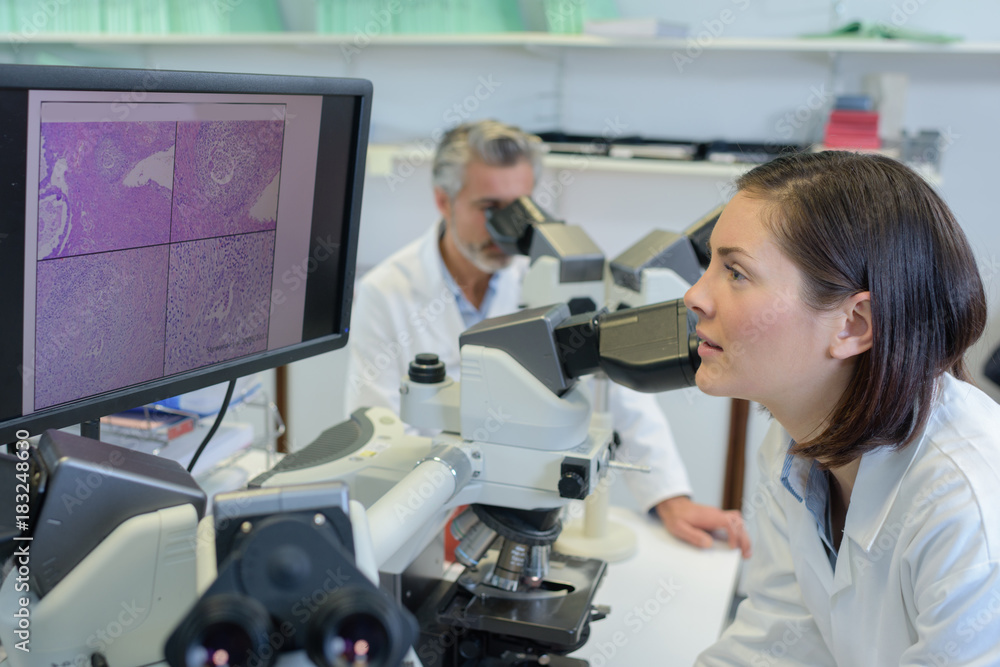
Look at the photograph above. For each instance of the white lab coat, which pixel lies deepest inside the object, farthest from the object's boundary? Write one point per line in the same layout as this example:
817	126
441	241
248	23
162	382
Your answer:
403	307
917	578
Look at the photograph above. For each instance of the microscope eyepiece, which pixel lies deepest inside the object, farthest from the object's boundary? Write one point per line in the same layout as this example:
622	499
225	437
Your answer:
356	626
223	629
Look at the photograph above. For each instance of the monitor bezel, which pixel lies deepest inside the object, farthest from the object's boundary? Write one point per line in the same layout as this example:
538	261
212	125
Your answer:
140	82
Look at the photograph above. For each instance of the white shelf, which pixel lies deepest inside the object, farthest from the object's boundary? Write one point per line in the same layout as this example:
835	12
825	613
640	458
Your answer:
384	158
645	166
512	39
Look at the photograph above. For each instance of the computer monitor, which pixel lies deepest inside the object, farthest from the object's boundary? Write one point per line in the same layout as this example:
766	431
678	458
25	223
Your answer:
162	231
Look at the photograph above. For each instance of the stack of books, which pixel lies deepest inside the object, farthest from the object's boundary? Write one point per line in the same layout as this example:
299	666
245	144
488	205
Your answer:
853	123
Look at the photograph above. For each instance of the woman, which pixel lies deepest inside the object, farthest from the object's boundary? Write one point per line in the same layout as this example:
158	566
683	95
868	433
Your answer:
842	296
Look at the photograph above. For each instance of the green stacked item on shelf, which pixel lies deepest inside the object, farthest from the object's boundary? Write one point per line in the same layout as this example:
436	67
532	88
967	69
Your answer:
151	17
567	16
118	16
30	17
193	17
242	16
373	18
7	23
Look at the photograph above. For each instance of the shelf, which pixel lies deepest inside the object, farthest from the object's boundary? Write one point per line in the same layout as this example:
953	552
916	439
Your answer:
512	39
383	160
699	168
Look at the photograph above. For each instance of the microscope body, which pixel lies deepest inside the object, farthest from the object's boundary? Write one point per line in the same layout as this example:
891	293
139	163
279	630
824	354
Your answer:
515	434
111	566
515	441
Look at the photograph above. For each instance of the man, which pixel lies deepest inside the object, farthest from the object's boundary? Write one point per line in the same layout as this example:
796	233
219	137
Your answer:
421	298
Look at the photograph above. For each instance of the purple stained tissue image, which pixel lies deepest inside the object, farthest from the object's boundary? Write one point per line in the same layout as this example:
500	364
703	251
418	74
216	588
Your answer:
226	178
219	299
100	322
104	186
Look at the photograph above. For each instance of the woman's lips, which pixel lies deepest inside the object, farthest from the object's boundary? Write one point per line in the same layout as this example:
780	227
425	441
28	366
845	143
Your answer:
708	341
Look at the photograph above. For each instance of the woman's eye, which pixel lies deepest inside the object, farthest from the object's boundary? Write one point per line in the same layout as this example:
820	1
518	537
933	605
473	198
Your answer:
734	273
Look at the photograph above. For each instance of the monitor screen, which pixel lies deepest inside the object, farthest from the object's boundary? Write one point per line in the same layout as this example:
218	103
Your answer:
162	231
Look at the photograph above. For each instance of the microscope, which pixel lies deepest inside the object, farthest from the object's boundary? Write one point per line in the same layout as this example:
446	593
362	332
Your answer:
567	266
516	445
122	568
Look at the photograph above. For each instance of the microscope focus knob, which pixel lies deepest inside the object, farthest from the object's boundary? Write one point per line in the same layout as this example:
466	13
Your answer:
572	485
427	368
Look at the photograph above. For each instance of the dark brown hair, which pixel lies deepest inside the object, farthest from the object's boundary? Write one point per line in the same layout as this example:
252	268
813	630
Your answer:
855	222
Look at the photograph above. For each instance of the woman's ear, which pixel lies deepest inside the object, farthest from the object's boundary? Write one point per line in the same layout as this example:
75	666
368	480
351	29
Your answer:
853	335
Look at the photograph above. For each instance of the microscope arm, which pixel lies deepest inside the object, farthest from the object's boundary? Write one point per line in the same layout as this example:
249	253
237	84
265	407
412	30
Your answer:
435	480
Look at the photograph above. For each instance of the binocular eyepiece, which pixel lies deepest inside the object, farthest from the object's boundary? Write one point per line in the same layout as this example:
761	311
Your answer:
288	581
353	626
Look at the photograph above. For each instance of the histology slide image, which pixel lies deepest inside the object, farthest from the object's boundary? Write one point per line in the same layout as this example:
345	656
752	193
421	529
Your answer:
226	178
219	299
155	249
104	186
100	323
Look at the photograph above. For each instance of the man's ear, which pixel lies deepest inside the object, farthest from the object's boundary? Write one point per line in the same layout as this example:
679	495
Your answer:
853	333
443	203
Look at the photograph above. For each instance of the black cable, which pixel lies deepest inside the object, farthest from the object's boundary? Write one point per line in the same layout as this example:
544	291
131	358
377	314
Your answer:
215	426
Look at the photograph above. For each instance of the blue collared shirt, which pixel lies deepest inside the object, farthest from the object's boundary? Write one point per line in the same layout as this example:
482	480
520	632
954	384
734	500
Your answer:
808	483
470	314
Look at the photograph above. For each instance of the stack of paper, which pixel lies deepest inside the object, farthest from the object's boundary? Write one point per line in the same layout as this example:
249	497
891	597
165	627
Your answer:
634	27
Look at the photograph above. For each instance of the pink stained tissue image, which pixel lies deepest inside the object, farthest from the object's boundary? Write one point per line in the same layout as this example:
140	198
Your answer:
100	323
226	178
219	299
104	186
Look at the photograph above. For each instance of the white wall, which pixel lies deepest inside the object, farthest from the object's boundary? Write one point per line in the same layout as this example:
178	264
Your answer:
733	95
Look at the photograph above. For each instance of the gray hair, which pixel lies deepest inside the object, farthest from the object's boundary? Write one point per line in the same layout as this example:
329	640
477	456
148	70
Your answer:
489	141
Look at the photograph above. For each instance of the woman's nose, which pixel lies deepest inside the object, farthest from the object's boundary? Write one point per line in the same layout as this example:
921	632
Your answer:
695	298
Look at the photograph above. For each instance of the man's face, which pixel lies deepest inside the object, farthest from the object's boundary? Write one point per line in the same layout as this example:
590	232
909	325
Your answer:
485	188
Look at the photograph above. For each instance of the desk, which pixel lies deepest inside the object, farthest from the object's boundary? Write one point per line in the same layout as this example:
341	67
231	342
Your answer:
668	602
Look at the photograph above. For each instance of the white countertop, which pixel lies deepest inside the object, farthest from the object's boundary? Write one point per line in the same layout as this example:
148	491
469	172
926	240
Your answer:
670	600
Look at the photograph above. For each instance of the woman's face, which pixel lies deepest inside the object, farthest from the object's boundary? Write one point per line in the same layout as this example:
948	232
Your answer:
759	340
